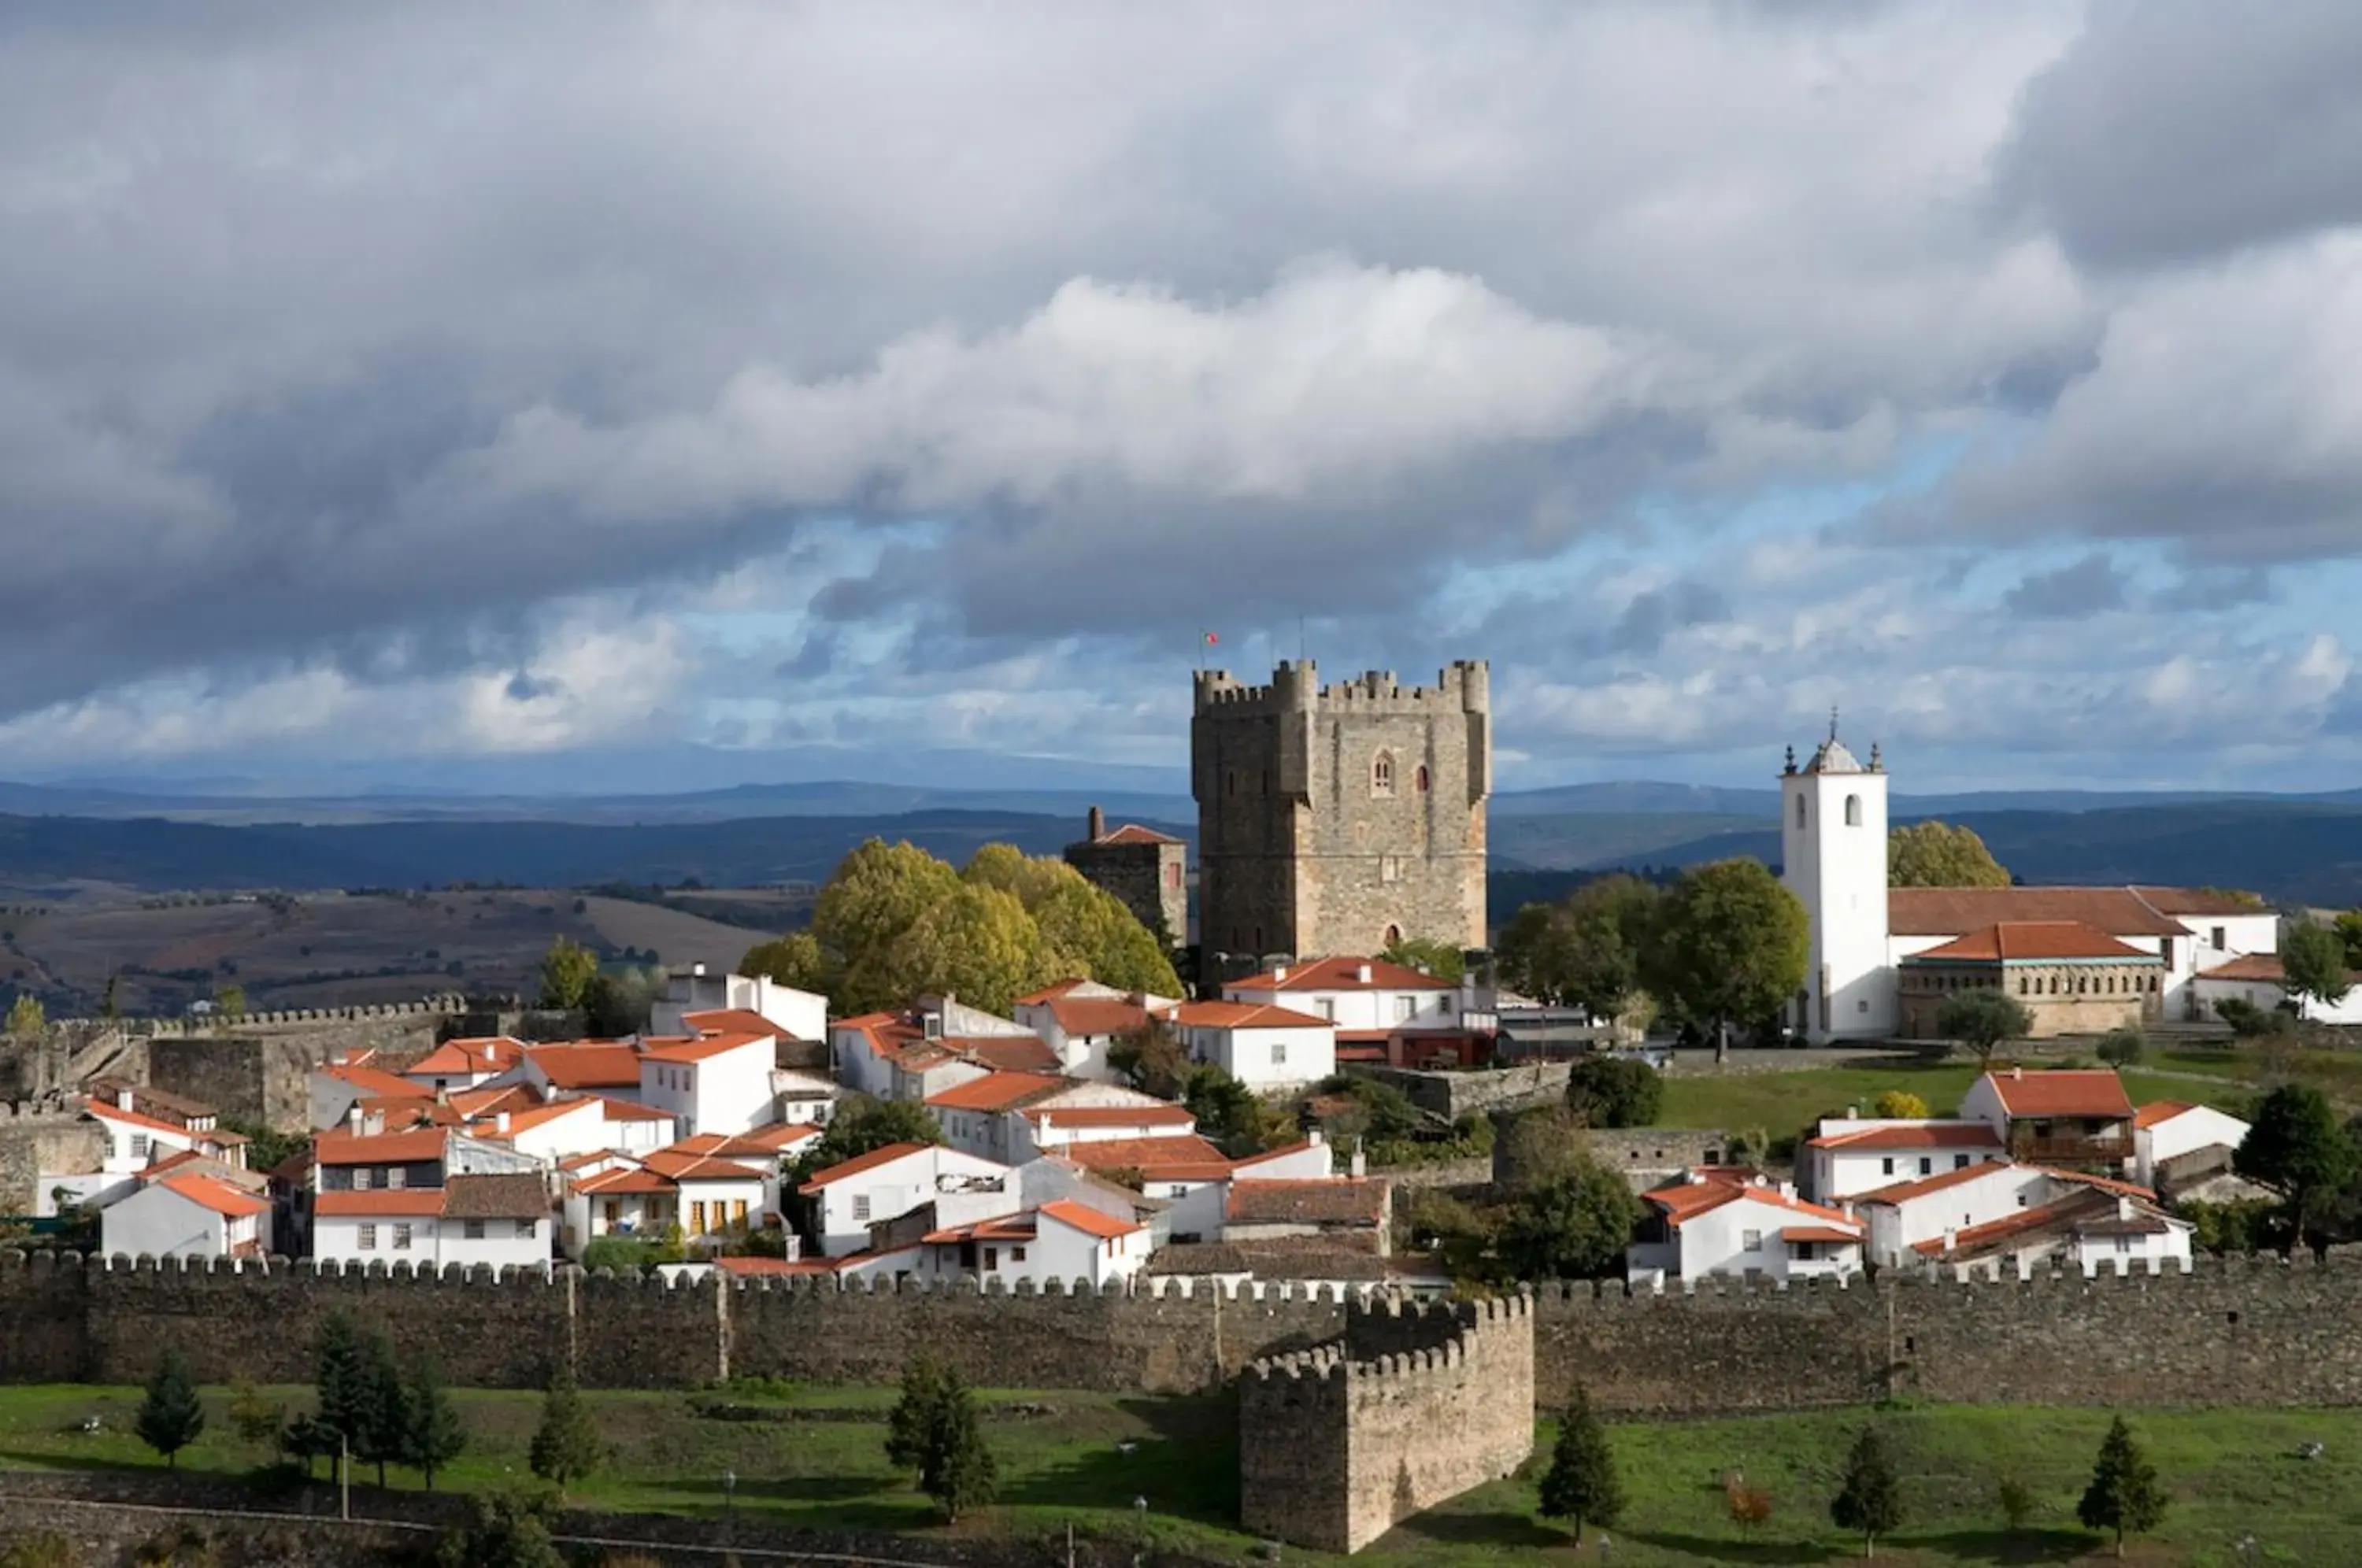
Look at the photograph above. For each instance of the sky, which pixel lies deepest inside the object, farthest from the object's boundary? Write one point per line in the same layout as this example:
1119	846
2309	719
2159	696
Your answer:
715	392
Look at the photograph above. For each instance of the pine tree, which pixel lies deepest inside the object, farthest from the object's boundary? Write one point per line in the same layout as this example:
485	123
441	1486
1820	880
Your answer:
170	1418
958	1471
2124	1494
340	1386
1871	1501
1581	1485
565	1447
913	1416
383	1434
435	1435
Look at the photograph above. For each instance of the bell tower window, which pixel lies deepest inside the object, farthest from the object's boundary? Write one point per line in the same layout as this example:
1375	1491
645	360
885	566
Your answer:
1800	810
1382	774
1853	810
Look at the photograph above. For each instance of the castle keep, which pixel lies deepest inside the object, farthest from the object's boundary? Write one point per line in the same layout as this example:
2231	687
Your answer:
1341	819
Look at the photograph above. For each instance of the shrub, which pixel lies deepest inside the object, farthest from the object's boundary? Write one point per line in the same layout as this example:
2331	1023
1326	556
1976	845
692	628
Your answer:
2122	1047
1615	1091
1899	1105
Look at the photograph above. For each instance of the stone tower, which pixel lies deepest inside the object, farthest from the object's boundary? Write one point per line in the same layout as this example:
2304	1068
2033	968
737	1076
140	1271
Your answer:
1833	857
1336	820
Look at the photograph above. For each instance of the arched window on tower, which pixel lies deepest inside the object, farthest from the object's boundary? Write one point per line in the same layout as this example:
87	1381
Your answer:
1393	933
1800	810
1382	774
1418	778
1853	810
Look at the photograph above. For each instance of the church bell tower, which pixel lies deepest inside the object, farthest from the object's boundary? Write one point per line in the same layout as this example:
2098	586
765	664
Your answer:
1833	857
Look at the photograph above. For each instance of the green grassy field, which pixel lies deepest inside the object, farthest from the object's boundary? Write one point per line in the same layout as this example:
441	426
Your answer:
1784	1103
2232	1473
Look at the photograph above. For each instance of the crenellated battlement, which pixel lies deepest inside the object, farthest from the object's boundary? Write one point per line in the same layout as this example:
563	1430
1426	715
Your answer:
1463	687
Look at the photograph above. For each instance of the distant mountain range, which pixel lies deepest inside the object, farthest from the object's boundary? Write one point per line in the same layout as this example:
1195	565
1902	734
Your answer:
2287	847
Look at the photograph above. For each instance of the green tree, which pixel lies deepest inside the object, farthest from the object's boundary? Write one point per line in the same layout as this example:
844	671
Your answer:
1574	1227
2122	1047
1899	1105
2313	958
110	1006
1581	1485
1234	1115
614	1006
340	1386
1980	1020
912	1417
1087	931
2349	933
385	1429
170	1418
1585	950
956	1468
1939	855
229	1003
1153	1060
1615	1091
565	1446
976	943
258	1420
1732	946
862	1125
434	1435
792	960
877	893
1441	959
567	970
1871	1501
1030	879
510	1529
2124	1494
26	1018
2295	1146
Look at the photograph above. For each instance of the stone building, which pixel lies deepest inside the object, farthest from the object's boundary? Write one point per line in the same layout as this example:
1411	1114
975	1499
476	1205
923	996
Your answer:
1341	819
2072	978
1146	870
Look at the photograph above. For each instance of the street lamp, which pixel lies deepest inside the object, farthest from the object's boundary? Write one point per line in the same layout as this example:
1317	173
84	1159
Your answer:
729	1492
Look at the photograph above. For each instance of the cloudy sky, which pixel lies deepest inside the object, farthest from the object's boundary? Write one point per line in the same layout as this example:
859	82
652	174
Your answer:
469	393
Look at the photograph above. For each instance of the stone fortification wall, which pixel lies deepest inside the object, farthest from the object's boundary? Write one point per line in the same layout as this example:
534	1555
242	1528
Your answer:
1455	1094
2241	1332
49	1135
1416	1405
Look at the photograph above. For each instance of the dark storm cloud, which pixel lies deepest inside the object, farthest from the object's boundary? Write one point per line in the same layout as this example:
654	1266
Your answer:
2092	585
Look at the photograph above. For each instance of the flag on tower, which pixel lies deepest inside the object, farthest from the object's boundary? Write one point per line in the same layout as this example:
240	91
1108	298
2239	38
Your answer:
1210	639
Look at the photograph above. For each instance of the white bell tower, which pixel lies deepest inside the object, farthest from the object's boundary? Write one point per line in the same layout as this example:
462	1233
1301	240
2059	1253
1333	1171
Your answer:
1833	857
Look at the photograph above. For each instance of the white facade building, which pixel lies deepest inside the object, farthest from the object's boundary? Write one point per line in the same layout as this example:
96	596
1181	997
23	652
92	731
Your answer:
886	1184
1720	1222
490	1220
797	1015
187	1216
1358	996
716	1083
1833	857
2171	1131
1265	1046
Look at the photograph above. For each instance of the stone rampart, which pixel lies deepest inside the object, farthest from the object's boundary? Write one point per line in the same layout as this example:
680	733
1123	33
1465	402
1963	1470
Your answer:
2235	1332
1417	1405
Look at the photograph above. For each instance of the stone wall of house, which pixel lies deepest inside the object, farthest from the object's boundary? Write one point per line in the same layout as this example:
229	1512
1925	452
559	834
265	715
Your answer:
1455	1094
2065	999
1148	880
1306	844
39	1137
1416	1405
2240	1333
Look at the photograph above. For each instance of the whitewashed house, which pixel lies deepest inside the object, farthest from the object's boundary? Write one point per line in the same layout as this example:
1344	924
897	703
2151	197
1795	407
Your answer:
1083	1021
2172	1138
1265	1046
189	1216
847	1199
483	1220
1851	1155
1721	1221
718	1082
694	991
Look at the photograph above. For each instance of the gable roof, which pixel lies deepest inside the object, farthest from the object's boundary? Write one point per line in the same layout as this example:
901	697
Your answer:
339	1147
2061	1091
1246	1015
1952	911
1080	1116
682	1164
2029	941
370	1081
1099	1015
1920	1186
1342	974
1347	1200
618	1109
218	1196
1088	1220
767	1141
1005	1053
495	1196
587	1066
998	1092
732	1021
624	1179
107	1111
859	1163
705	1046
2159	1111
1912	1136
1683	1202
1133	832
2199	902
490	1053
534	1116
379	1202
1178	1157
2264	966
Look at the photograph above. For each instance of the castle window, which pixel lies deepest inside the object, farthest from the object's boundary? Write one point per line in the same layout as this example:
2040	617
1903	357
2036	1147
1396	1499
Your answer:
1394	936
1853	810
1800	810
1230	782
1382	774
1418	782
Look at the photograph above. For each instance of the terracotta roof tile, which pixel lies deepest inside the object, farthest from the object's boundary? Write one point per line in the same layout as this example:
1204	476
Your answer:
2264	966
859	1163
403	1202
502	1196
2094	1092
1350	1201
1088	1220
1952	1135
1824	1234
1244	1015
1133	832
218	1196
2149	1115
998	1092
343	1148
2032	940
1081	1116
496	1054
1007	1052
370	1081
1183	1157
2197	903
1099	1015
731	1021
587	1066
681	1165
1953	911
705	1047
1342	974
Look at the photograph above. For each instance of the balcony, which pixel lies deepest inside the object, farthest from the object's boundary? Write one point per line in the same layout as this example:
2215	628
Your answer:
2070	1148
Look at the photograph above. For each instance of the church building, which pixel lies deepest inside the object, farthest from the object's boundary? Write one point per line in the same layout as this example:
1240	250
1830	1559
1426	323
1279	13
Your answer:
1885	959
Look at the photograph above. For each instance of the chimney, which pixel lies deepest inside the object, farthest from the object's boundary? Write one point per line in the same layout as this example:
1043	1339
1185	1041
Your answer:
1279	973
1853	1113
931	1024
2016	1073
795	1247
501	1123
353	1121
1360	1166
697	968
2123	1205
1099	825
123	1097
1363	974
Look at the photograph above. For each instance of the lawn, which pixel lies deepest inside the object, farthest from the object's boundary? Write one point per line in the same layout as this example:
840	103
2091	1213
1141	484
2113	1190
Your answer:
2232	1473
1785	1103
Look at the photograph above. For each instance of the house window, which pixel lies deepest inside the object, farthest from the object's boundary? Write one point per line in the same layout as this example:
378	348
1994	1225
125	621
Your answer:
861	1208
2218	937
1886	1165
526	1230
614	1212
365	1238
401	1238
1751	1241
1853	810
1389	868
1017	1254
1173	875
395	1176
1418	778
139	1145
1927	1166
991	1259
738	1212
1279	1054
1404	1008
1959	1161
472	1229
360	1179
1329	1008
1382	774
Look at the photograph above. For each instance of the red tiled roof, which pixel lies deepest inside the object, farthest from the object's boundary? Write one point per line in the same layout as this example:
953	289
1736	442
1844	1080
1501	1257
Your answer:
342	1148
1111	1115
760	1143
859	1163
1343	974
732	1021
2061	1091
2058	1214
1050	992
370	1081
621	1110
1959	1135
1920	1186
107	1111
398	1202
1823	1233
496	1054
217	1196
2031	940
997	1091
534	1116
1090	1222
1003	1228
1249	1161
625	1179
1007	1052
1952	911
2198	901
1182	1157
705	1047
1244	1015
1133	832
1687	1201
576	1162
587	1066
1099	1015
2264	966
681	1165
2149	1115
750	1268
1350	1201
